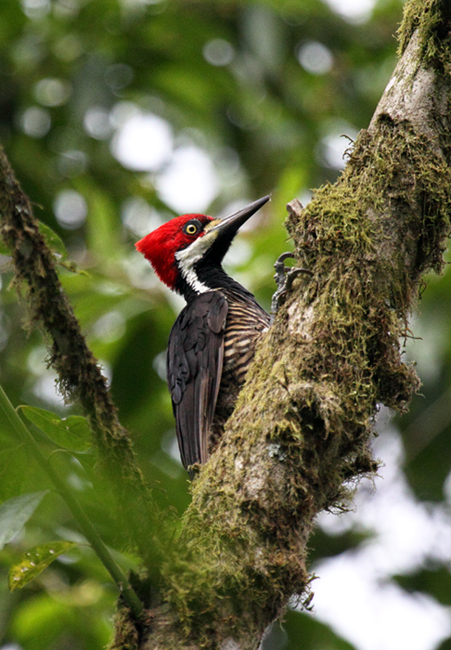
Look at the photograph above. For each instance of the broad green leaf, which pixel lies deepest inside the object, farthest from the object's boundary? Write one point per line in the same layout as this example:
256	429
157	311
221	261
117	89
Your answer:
72	433
15	512
53	241
30	564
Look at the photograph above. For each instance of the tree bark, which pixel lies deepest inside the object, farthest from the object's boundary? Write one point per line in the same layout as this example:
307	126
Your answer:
299	438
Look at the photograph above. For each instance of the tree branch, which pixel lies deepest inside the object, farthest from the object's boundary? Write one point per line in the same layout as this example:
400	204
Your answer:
79	375
299	437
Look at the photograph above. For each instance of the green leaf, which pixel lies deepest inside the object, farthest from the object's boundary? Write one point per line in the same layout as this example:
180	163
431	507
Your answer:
53	241
72	433
31	563
15	512
434	581
314	634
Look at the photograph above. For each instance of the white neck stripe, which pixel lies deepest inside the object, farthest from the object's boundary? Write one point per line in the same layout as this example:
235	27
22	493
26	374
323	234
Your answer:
188	257
194	282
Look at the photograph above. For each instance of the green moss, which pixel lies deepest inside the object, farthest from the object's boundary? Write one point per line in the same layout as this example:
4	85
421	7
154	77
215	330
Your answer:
368	295
431	18
126	635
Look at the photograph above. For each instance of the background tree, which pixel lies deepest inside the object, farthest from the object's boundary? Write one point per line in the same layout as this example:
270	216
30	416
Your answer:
259	93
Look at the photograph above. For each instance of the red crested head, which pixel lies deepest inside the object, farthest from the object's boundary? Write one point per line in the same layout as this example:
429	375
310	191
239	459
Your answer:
162	244
187	251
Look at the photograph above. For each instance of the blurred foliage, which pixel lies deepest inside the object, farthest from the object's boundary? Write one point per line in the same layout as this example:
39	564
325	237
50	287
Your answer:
433	580
301	631
262	93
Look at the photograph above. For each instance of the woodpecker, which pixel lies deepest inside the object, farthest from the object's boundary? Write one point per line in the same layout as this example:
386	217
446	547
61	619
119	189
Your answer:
213	340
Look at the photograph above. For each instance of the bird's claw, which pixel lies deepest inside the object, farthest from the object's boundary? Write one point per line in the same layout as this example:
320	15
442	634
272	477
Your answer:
284	277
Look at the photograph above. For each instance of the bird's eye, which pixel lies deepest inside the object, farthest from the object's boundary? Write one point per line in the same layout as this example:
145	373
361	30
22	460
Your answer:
192	227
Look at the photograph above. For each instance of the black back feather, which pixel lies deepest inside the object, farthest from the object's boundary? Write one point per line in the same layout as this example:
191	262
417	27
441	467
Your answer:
194	370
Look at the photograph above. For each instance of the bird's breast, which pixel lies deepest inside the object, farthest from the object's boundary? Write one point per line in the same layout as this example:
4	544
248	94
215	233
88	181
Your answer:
244	327
246	323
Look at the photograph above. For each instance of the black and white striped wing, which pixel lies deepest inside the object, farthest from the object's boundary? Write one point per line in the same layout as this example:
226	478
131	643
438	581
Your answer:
194	369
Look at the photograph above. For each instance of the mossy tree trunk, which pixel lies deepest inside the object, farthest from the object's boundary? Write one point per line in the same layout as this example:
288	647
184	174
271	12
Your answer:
299	437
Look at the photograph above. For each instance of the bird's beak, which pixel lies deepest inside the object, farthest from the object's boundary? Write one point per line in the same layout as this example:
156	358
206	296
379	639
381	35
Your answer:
233	222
